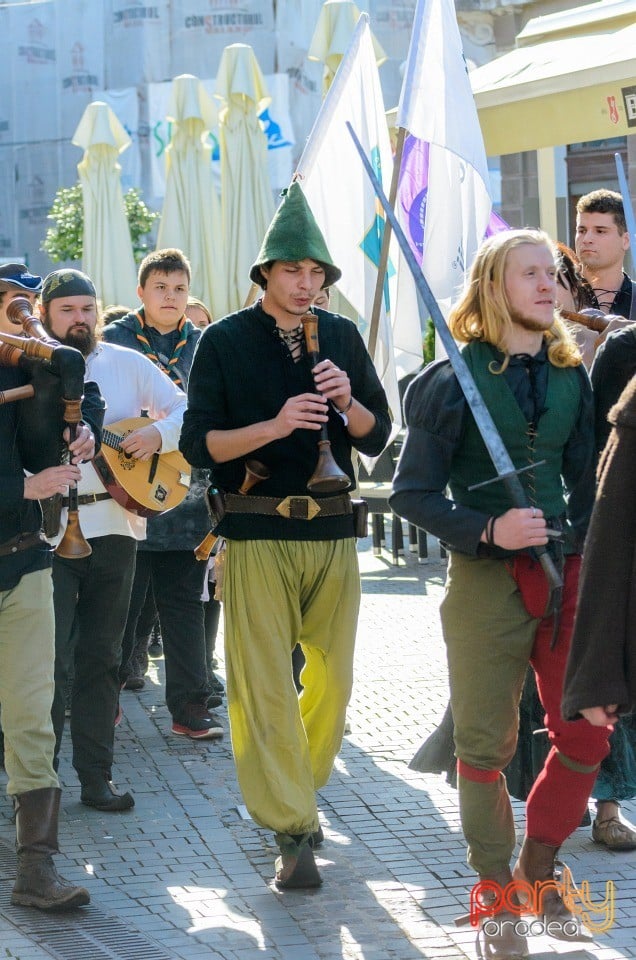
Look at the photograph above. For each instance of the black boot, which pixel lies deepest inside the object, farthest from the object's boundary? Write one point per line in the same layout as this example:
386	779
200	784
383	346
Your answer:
38	883
100	793
296	868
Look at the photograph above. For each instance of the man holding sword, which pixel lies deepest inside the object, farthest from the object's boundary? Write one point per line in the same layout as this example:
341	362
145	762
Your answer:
529	373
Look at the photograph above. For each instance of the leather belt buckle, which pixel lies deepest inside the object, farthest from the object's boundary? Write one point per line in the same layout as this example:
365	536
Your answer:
298	508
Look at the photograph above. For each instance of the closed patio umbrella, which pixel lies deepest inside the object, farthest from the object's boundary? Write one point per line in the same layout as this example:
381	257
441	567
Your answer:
107	255
334	29
247	203
191	218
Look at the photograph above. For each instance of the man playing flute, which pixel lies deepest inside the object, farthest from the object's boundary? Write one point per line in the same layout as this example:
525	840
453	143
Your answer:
290	566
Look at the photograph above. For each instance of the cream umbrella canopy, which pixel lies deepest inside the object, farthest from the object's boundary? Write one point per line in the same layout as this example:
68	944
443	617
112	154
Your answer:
191	217
335	26
559	92
247	204
107	254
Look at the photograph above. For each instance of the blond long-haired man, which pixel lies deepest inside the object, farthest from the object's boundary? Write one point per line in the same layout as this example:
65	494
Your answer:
530	375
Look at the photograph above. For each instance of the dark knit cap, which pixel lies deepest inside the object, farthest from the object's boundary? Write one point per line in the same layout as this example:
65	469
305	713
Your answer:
294	235
15	276
67	283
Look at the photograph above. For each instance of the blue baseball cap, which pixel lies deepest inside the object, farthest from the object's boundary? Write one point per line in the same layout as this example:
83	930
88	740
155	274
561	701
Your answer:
16	276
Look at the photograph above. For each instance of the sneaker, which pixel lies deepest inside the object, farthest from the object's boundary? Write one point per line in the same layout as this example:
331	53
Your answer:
68	696
155	647
138	666
197	722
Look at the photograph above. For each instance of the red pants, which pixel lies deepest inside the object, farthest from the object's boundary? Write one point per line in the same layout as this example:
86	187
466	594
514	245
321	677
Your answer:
571	767
492	628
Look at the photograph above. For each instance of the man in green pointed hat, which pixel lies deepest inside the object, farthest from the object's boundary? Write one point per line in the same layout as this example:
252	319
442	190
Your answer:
259	405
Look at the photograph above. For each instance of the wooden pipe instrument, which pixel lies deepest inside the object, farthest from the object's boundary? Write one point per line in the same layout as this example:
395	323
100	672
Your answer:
10	357
255	472
327	477
43	417
15	393
596	323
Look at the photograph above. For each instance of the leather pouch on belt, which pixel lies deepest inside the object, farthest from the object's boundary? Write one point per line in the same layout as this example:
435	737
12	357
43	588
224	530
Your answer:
360	518
215	502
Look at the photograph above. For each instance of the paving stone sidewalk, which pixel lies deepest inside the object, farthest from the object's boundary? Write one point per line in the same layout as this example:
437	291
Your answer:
185	875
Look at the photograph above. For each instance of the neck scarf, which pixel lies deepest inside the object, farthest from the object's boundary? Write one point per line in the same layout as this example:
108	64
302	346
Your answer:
184	327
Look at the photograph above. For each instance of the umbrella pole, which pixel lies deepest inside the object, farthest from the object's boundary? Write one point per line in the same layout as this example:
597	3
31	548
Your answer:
252	295
384	250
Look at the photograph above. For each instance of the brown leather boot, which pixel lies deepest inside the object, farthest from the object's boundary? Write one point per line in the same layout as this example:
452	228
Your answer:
498	937
537	863
38	883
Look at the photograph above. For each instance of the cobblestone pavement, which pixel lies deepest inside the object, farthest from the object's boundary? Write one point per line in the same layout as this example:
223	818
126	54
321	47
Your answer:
186	875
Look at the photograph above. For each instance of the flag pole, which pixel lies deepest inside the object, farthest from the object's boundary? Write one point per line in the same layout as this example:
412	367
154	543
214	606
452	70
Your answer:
384	250
627	203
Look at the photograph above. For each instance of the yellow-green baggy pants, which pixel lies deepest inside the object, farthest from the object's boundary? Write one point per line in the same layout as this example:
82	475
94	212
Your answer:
278	593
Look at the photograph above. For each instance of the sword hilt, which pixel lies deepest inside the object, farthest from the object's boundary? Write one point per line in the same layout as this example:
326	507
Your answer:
506	475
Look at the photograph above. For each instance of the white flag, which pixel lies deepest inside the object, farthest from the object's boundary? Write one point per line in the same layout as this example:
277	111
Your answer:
443	201
343	201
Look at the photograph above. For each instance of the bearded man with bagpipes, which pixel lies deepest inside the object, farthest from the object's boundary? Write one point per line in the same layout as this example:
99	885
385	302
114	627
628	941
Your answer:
27	626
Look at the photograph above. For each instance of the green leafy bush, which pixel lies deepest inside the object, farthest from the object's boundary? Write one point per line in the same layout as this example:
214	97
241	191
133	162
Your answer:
63	241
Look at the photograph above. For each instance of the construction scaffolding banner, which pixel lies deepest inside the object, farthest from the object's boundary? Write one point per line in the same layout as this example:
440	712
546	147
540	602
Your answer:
138	39
57	56
276	122
201	29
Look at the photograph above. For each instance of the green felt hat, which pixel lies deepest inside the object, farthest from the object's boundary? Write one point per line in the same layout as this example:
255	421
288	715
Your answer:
294	235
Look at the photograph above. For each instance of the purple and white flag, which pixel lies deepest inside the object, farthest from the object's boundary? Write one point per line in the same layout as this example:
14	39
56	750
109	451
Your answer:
443	199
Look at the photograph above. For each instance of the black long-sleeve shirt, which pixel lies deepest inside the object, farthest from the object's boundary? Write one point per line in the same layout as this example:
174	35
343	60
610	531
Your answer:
17	515
436	412
243	374
614	366
614	363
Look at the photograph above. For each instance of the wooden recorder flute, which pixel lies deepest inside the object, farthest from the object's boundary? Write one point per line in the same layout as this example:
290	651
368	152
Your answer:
327	477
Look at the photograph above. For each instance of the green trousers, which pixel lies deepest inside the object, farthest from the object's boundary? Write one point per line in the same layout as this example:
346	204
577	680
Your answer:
277	593
489	637
27	656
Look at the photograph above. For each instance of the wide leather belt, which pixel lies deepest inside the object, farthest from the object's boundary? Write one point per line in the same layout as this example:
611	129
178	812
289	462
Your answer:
85	498
22	542
292	508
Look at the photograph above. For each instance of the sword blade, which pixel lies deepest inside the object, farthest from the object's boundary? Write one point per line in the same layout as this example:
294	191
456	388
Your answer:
499	455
